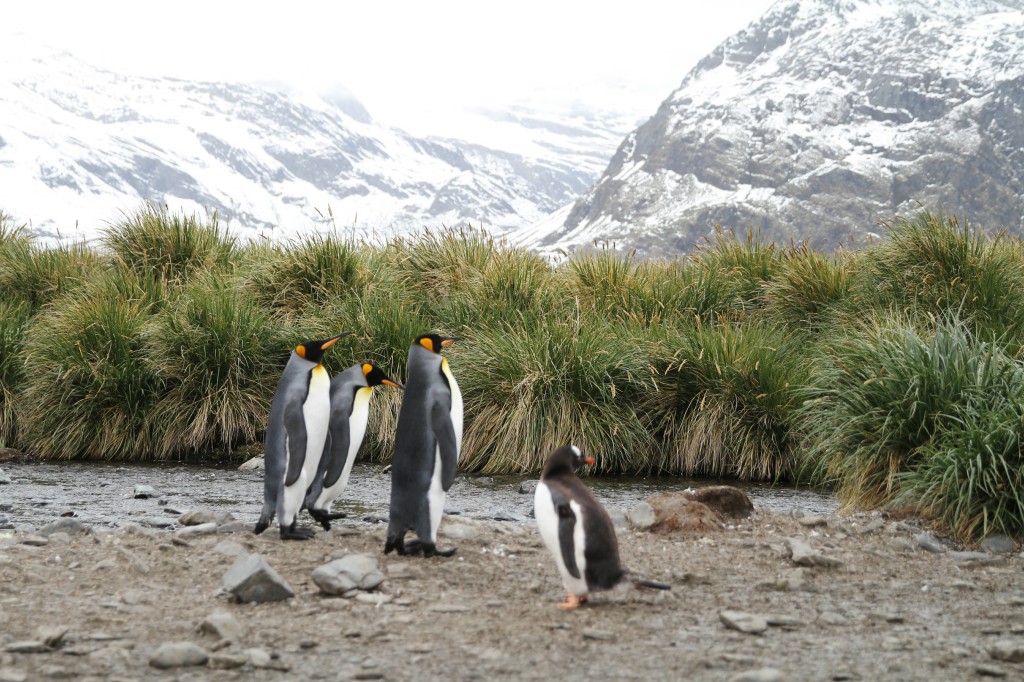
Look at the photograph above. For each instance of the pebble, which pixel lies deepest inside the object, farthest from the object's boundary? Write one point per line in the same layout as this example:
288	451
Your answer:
178	654
528	487
67	524
813	521
51	635
803	554
222	625
642	516
4	478
259	658
251	579
998	544
744	622
192	531
143	492
929	542
355	571
33	540
226	661
759	675
1011	651
505	515
254	464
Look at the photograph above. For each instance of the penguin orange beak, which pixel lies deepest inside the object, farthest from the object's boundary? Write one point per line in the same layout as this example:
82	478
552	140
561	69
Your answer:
590	460
396	384
449	340
334	339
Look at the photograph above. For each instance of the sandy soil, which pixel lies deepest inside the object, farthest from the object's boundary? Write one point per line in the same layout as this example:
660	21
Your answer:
888	611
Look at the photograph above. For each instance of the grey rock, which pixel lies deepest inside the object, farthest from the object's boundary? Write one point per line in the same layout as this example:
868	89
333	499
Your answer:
4	478
505	515
803	554
134	528
355	571
65	525
32	646
259	658
251	579
1008	650
759	675
33	540
51	635
177	655
158	522
929	542
998	544
143	492
375	598
219	661
254	464
200	517
230	548
811	521
528	487
234	527
619	518
193	531
222	625
744	622
990	671
642	516
871	526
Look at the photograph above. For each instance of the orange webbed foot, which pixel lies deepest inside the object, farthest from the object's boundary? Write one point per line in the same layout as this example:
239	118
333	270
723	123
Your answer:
572	601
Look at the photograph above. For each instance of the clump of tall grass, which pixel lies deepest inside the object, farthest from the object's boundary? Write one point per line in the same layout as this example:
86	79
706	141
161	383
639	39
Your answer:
807	288
307	273
726	401
890	391
35	275
743	266
934	266
440	263
169	246
545	380
219	356
14	319
972	476
86	390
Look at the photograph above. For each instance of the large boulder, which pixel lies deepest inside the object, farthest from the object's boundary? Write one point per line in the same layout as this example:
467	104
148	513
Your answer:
729	502
677	511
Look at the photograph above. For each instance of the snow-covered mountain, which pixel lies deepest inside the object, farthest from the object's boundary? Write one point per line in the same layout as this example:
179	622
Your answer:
818	121
79	146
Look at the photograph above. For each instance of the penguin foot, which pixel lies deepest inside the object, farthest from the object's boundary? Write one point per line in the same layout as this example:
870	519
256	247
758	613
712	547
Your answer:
293	533
412	547
573	601
321	517
261	526
430	549
396	544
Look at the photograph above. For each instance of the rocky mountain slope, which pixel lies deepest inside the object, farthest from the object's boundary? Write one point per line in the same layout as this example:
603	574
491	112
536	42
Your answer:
80	145
817	122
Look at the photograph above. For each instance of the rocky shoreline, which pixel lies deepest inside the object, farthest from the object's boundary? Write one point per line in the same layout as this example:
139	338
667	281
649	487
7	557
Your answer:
766	597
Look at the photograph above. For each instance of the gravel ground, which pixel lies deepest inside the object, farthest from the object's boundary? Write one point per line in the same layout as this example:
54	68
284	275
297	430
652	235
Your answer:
870	604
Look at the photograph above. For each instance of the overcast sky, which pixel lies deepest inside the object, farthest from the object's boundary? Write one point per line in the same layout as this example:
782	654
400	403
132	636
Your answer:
407	62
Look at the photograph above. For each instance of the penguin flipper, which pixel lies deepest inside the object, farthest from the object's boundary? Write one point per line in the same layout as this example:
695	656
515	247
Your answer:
295	428
567	535
447	444
335	457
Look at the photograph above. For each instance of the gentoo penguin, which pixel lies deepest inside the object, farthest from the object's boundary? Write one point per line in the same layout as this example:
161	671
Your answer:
427	442
296	435
577	530
350	403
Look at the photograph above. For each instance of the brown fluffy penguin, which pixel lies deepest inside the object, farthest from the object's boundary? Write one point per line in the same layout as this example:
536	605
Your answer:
577	530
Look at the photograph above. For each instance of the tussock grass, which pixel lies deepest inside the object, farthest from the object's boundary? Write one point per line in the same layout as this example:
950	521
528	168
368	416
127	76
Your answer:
86	392
219	356
14	319
546	381
742	264
726	401
808	288
35	275
167	246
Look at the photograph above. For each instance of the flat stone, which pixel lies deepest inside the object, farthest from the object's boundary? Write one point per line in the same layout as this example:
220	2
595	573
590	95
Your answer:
31	646
998	544
812	521
251	579
725	500
220	661
355	571
929	542
4	478
254	464
197	517
528	487
505	515
759	675
1008	650
143	492
744	622
990	671
259	658
802	554
679	512
33	540
193	531
51	635
236	527
642	516
222	625
177	655
68	525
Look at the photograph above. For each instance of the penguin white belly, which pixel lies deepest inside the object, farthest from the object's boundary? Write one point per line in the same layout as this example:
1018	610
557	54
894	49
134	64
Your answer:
547	523
435	497
456	410
356	431
316	413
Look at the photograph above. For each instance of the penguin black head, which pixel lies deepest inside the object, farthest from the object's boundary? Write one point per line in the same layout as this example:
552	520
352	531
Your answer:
434	342
314	350
375	377
565	460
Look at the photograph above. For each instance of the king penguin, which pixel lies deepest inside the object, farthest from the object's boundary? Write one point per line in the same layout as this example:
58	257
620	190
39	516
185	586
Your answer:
577	530
428	439
296	435
350	410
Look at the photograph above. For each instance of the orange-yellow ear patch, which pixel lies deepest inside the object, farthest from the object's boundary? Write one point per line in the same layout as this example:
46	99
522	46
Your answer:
428	344
300	351
367	368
